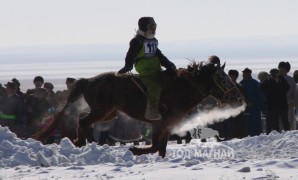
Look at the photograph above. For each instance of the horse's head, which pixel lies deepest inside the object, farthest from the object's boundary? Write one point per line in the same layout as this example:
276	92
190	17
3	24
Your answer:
224	89
212	80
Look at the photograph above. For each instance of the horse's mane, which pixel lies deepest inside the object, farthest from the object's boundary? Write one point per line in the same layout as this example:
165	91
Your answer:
194	65
196	69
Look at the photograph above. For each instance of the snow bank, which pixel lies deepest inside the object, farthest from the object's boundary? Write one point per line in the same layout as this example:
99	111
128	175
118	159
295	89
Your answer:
15	152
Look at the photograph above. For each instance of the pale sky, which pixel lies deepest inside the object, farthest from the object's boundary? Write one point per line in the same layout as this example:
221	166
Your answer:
77	22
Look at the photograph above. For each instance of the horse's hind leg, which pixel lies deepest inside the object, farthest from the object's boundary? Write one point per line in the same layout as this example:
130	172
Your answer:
104	135
163	141
84	127
81	133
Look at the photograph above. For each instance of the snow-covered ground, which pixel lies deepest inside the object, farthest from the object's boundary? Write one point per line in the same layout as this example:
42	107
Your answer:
273	156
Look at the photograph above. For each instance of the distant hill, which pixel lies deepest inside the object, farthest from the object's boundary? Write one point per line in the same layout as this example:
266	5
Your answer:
249	47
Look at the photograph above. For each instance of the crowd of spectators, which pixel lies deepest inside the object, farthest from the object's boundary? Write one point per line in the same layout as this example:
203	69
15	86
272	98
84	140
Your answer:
26	113
271	103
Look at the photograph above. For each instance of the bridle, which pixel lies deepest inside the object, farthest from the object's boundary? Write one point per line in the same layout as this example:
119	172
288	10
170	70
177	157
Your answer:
224	90
227	91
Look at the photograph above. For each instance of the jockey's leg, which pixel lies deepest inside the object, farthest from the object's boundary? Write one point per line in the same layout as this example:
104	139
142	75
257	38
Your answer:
153	85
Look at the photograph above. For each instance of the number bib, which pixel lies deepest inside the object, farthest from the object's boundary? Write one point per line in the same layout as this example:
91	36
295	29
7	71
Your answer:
150	47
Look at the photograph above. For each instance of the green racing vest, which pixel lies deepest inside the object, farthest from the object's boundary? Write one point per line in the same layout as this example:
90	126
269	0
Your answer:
147	62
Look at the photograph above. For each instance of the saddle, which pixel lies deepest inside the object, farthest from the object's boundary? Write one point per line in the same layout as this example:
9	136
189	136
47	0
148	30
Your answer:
167	77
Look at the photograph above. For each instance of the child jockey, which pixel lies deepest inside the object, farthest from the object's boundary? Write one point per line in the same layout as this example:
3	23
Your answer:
148	59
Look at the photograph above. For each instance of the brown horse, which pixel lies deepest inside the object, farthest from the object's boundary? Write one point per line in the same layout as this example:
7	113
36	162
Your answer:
107	94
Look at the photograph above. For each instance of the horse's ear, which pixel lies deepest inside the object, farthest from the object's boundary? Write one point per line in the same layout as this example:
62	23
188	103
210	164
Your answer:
223	66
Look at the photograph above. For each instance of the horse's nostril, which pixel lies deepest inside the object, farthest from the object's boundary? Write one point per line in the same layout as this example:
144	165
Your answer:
240	100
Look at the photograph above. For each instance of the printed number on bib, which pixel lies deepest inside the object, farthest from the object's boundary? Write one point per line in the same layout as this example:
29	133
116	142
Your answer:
150	48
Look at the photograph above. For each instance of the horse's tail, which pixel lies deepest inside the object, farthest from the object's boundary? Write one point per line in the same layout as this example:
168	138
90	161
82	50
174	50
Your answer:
77	90
74	95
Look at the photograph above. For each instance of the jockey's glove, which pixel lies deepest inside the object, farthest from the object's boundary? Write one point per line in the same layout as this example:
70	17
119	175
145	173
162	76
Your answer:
172	67
124	70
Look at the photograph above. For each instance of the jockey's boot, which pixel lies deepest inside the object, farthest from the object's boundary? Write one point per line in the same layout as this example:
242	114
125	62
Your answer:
152	112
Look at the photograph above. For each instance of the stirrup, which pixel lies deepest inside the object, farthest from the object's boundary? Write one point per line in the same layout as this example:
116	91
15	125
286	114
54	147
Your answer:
155	117
152	114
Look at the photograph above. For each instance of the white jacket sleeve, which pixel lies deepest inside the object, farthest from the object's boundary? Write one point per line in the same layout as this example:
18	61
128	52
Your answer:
291	94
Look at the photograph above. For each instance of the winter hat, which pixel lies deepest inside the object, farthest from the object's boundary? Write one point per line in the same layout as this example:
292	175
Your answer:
38	78
247	70
285	65
16	82
11	85
274	71
144	22
48	86
70	80
233	72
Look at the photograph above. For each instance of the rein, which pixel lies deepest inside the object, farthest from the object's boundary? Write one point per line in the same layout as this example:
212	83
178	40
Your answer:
197	88
202	93
136	83
217	84
222	88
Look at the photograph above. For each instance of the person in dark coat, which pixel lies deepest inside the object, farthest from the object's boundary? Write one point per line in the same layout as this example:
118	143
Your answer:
275	90
36	105
68	127
18	89
51	96
11	110
2	91
284	69
255	103
235	125
295	76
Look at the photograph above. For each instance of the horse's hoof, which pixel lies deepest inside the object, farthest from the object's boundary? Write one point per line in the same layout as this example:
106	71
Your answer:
162	154
77	143
140	151
135	150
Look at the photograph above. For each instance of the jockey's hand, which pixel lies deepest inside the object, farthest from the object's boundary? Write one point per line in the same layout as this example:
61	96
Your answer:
173	68
124	70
